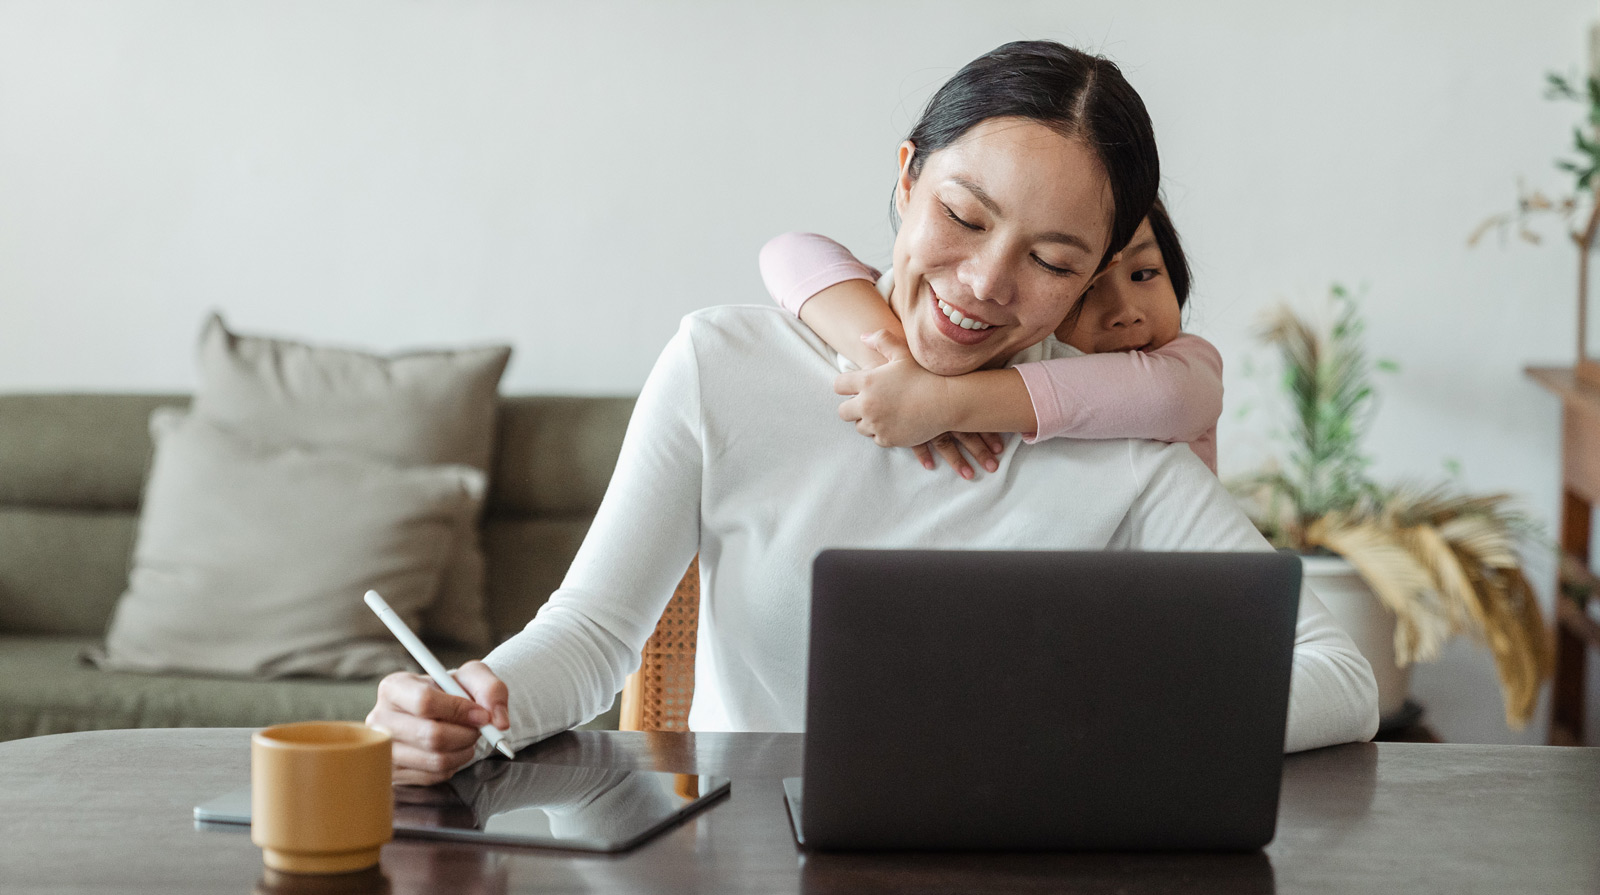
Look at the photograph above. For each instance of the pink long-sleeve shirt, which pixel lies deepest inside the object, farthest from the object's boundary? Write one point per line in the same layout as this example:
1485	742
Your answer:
1171	394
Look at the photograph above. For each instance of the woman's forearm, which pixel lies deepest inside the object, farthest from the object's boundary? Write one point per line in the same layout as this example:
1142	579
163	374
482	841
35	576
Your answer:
567	664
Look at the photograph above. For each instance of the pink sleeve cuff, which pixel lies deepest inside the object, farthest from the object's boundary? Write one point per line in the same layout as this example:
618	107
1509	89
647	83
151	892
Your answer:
796	266
1046	400
833	275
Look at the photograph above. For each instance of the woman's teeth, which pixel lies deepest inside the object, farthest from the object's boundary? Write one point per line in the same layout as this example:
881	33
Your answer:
958	320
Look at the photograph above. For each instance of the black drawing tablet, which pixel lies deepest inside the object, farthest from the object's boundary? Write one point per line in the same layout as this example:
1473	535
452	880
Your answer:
523	803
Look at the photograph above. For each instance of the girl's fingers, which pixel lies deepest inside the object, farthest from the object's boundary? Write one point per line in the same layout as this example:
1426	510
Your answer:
979	449
951	452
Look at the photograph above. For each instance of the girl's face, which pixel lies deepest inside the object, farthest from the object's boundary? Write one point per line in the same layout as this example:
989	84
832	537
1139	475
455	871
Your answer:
1131	307
999	236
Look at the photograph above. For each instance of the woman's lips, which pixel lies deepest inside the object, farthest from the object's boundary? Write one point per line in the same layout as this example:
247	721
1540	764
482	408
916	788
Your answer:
950	330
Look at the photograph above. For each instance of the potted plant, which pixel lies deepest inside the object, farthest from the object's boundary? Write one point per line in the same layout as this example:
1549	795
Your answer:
1404	568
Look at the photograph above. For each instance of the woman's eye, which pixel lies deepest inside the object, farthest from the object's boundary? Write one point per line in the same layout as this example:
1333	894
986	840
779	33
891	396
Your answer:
1059	271
1149	273
952	216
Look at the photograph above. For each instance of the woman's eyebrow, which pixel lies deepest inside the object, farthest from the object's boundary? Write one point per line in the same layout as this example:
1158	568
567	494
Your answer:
977	192
994	208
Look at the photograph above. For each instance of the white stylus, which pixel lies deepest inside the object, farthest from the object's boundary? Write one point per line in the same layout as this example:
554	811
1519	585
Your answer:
430	664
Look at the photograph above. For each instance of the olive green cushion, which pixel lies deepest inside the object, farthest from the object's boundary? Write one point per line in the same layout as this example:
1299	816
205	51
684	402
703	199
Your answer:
45	688
88	452
61	570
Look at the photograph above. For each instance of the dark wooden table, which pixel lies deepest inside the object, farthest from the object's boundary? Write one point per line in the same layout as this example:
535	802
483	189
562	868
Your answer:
110	811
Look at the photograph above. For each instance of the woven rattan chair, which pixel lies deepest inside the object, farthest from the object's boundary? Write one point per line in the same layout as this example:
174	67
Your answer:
657	696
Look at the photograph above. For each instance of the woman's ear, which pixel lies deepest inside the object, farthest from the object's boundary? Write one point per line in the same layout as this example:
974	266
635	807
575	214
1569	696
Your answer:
902	184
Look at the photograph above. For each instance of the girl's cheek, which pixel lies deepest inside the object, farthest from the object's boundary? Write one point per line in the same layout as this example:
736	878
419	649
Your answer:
1168	325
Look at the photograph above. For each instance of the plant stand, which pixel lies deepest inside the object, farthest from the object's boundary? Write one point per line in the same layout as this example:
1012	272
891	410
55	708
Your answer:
1576	634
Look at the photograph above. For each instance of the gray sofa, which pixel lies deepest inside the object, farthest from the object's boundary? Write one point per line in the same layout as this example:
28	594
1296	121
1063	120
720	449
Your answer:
71	471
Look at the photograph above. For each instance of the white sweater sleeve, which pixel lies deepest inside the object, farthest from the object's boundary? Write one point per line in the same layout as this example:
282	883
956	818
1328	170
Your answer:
569	662
1333	697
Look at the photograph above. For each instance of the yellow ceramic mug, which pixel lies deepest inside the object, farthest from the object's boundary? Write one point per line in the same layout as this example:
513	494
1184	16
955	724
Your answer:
320	796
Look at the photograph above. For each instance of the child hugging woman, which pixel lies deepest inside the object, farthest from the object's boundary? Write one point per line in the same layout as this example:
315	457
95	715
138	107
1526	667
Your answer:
1140	375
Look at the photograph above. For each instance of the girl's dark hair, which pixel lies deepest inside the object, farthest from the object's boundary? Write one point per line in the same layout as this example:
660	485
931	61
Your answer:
1078	95
1172	256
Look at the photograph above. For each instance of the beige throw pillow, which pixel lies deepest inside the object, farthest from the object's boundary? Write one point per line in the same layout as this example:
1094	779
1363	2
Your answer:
252	560
417	408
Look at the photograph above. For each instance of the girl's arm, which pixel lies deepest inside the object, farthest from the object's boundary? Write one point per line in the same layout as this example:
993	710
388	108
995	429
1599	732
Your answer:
832	292
1173	393
819	281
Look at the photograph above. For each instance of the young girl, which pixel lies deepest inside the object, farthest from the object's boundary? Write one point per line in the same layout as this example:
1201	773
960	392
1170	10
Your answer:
1140	376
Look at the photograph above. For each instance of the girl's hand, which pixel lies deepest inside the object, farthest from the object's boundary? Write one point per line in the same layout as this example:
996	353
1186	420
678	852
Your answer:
985	448
898	404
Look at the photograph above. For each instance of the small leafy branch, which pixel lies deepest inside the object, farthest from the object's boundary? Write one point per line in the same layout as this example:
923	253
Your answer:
1326	377
1560	87
1533	203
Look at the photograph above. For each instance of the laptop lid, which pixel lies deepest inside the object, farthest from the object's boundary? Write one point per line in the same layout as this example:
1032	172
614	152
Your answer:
1047	700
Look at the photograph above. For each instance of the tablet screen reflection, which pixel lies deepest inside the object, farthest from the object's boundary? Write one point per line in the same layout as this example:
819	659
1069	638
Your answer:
590	809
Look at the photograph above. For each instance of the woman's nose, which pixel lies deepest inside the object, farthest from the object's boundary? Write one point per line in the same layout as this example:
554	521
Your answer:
986	277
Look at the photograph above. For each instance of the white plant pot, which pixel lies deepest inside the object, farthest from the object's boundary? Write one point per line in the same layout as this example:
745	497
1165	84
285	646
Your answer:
1346	594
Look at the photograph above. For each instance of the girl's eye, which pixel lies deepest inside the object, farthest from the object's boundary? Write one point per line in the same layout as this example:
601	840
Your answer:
952	216
1149	273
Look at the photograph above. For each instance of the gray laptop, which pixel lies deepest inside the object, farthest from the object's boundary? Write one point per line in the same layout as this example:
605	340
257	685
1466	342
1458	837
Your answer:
1045	700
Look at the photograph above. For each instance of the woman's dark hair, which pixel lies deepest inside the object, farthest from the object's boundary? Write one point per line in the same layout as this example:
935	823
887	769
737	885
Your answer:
1078	95
1172	256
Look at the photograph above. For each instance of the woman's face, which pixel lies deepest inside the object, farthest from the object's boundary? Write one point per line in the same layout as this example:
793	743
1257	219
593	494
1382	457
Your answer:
1131	307
1002	229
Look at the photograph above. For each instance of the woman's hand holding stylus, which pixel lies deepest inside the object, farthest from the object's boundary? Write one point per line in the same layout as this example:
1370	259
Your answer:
436	734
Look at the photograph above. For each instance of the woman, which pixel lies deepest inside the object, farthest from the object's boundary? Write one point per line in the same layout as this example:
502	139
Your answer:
1026	174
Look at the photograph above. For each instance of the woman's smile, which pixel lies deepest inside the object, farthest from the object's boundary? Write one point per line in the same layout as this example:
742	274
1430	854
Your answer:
954	324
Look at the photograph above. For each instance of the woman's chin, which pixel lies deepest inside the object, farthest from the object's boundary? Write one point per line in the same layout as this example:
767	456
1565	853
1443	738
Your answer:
937	354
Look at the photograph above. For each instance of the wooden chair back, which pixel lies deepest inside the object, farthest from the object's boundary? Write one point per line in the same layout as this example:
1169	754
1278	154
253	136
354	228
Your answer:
658	695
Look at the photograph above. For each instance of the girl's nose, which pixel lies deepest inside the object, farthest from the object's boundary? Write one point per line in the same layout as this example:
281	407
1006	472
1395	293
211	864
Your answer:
1125	316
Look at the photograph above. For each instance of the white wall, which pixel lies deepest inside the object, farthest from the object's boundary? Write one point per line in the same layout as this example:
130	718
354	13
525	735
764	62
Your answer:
574	177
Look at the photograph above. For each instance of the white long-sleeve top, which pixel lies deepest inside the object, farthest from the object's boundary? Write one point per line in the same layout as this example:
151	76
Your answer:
735	450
